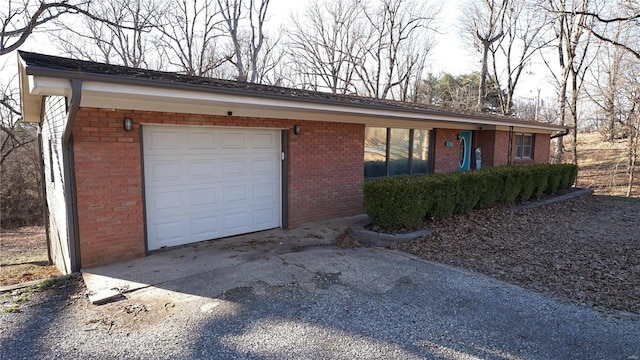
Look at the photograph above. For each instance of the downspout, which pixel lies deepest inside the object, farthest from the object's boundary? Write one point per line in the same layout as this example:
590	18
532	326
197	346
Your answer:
510	147
564	133
69	177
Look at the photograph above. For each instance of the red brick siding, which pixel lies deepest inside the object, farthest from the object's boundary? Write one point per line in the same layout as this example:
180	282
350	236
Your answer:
501	148
446	159
325	175
485	139
495	149
542	144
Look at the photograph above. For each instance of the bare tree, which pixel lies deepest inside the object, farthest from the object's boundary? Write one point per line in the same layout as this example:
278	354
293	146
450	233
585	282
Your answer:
128	44
323	44
572	43
396	47
248	44
524	35
605	91
14	133
633	134
188	37
19	19
484	22
620	12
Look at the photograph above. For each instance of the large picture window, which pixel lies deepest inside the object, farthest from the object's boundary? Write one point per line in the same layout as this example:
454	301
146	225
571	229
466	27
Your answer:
393	152
524	146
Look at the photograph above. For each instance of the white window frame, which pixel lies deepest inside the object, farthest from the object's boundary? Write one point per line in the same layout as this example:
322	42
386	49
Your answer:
520	146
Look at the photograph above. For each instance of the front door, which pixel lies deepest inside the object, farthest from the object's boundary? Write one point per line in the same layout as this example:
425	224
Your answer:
465	151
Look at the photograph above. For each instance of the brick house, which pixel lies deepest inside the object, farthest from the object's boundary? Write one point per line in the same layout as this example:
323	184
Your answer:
137	160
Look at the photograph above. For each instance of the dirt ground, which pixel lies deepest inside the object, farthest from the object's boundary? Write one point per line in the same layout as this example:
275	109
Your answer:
585	250
23	256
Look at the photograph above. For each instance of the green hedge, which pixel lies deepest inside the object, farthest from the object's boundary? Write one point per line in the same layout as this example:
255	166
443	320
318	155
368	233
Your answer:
403	203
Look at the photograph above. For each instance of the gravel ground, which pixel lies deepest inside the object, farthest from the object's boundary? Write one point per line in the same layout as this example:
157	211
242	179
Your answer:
586	250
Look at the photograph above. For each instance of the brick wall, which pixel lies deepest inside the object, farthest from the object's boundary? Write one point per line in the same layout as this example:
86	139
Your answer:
495	145
501	148
446	159
485	139
541	147
325	175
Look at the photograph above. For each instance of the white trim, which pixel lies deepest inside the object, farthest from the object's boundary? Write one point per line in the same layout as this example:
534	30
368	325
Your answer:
148	98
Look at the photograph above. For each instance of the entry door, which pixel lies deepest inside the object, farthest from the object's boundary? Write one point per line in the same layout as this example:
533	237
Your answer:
465	151
204	183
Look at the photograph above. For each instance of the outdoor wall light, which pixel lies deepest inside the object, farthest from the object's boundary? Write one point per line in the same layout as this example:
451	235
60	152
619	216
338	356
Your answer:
458	136
296	129
127	124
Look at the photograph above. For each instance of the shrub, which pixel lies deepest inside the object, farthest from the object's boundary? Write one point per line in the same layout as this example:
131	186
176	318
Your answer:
555	176
569	173
395	203
492	184
402	203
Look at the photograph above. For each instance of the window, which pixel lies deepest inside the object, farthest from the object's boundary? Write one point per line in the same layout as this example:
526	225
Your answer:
393	152
524	146
398	158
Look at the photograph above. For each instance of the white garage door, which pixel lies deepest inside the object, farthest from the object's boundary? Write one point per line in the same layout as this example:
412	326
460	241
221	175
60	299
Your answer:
204	183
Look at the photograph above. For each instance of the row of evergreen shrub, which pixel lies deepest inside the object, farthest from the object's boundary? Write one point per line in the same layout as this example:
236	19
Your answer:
403	203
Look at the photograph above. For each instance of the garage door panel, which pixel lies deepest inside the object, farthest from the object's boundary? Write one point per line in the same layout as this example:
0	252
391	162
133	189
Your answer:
202	168
162	139
207	197
167	200
206	227
169	233
235	194
165	170
236	222
264	166
201	140
234	139
264	192
206	182
234	167
264	216
264	141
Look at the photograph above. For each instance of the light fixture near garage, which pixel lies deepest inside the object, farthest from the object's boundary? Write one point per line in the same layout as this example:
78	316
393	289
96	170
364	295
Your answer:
296	129
127	124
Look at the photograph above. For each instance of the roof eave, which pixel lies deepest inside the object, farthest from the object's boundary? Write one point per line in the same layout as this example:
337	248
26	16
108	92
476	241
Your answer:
479	119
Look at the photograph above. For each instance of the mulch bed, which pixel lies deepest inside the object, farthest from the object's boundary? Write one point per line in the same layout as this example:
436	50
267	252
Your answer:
586	250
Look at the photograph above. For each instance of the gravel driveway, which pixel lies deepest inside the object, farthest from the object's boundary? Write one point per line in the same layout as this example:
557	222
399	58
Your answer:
318	303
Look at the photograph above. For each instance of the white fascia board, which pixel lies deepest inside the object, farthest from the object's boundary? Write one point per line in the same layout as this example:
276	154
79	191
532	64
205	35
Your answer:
41	85
110	95
30	105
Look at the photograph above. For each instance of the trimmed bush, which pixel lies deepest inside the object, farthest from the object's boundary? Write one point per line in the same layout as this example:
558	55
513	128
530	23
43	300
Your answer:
403	203
395	203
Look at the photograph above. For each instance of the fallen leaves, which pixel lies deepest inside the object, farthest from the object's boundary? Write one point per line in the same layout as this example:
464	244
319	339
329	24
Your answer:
586	250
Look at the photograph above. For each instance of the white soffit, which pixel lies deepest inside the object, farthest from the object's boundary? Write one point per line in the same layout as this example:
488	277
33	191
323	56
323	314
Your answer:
107	95
146	98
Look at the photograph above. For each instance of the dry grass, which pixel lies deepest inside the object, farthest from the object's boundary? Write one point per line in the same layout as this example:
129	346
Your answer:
23	256
603	165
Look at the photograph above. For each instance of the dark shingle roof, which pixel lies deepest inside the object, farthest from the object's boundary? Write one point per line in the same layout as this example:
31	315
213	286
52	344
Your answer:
39	64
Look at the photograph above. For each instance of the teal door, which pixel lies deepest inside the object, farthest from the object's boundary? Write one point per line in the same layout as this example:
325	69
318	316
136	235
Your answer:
465	150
